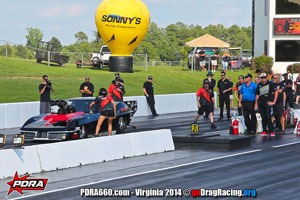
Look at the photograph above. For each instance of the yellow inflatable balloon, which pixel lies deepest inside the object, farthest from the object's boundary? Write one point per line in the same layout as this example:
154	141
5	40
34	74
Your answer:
122	24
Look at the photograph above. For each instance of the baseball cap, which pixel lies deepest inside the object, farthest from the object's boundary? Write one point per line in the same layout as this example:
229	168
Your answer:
44	76
209	74
206	82
263	75
117	74
285	74
150	77
248	75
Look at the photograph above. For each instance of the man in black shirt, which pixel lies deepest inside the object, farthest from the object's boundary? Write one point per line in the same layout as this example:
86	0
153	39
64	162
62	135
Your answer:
117	75
45	87
202	59
264	94
277	104
288	89
224	88
87	88
148	92
237	89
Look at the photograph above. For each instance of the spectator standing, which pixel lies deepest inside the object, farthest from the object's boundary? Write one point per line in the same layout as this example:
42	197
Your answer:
288	89
225	60
149	93
230	93
214	60
116	90
202	62
116	76
257	80
206	102
297	89
278	104
87	88
223	92
264	95
45	88
247	101
237	89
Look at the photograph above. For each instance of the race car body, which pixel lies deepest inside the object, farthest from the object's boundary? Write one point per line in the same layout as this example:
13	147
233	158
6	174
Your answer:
73	120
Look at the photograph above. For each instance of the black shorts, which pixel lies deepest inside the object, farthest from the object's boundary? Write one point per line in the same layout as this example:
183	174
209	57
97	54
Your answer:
278	109
108	113
298	93
207	109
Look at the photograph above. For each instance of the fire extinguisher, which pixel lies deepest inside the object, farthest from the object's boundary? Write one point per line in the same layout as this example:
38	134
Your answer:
298	129
235	125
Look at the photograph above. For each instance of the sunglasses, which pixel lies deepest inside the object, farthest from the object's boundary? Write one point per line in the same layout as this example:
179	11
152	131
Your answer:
222	75
263	77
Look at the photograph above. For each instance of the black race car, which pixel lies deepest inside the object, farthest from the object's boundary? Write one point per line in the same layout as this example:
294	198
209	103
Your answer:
73	120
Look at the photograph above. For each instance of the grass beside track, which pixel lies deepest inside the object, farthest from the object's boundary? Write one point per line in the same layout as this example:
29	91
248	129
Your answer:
19	79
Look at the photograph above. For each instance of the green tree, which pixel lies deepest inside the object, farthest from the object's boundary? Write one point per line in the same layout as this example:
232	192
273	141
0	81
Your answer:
81	37
57	42
33	36
21	51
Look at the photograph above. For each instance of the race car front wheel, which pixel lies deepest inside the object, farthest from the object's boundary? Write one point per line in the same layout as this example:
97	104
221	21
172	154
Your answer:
121	125
83	132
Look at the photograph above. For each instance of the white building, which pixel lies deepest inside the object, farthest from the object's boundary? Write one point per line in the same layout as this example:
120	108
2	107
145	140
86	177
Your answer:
277	32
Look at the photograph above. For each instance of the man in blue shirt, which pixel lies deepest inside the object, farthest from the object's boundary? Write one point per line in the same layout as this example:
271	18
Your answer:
247	102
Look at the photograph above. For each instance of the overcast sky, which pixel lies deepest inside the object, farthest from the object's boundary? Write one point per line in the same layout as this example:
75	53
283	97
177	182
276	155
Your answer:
63	18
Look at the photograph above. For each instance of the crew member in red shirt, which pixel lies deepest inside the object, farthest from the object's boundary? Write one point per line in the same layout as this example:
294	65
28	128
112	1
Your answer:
116	90
107	109
206	102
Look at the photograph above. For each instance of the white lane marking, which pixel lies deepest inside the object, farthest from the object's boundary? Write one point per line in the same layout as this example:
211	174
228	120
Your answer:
288	144
141	173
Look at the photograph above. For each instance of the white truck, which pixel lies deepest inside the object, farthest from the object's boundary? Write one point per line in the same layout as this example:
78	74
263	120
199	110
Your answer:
101	58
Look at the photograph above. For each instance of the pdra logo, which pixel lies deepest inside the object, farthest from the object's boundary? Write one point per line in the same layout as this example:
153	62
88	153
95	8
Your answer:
121	20
22	183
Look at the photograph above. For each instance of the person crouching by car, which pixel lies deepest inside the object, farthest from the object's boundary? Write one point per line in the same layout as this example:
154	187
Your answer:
117	90
107	109
206	102
45	87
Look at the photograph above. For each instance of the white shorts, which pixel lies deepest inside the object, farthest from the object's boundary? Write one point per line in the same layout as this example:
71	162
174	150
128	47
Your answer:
202	63
214	62
230	97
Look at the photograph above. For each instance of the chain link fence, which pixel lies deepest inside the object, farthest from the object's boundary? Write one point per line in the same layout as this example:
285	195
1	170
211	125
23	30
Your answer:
11	49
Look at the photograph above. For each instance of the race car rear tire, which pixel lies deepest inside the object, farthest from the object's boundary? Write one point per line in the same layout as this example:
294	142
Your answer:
121	126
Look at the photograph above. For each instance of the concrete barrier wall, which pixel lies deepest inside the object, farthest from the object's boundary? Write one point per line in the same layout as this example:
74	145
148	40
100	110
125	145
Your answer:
15	114
48	157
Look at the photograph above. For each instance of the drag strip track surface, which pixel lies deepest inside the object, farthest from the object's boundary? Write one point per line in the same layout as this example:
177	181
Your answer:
271	166
179	124
273	172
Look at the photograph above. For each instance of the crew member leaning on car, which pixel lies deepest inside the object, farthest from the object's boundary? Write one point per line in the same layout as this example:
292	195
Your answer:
116	90
107	109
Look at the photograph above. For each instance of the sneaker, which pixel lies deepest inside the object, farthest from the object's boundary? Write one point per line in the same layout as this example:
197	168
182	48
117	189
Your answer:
282	132
252	133
272	134
220	119
213	126
156	115
264	133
